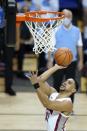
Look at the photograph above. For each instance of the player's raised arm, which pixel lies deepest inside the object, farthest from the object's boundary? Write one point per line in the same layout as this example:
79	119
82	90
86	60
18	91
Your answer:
41	80
50	71
37	82
44	76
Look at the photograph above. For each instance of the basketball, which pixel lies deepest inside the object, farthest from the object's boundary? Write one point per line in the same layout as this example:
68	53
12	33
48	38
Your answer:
63	56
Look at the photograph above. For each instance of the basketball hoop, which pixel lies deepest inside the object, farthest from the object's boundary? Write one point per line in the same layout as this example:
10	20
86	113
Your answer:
41	25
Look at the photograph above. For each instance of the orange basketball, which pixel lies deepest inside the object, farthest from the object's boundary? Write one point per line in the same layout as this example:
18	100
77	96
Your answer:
63	56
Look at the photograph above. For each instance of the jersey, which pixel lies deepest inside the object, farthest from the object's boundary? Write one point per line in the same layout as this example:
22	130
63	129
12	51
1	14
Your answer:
56	120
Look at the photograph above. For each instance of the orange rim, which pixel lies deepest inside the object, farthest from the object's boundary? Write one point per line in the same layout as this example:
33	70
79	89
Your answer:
20	17
32	16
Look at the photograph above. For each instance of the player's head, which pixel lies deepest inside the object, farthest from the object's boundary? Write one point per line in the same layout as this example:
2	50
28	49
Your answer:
68	17
68	86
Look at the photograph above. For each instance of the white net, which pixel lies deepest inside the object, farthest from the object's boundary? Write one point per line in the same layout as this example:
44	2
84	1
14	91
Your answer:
43	34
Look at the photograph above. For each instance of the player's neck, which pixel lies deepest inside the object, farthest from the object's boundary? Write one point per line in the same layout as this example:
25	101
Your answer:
64	94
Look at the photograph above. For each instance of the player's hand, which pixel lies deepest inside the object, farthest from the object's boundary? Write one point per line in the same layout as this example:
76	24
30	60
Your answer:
33	77
59	67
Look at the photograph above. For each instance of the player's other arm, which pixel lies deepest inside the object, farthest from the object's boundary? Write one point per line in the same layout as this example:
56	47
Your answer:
62	106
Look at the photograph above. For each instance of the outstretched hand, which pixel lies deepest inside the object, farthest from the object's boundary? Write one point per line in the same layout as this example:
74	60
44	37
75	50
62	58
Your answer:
33	77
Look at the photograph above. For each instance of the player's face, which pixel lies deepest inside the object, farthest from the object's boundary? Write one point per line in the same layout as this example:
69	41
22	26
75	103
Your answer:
68	86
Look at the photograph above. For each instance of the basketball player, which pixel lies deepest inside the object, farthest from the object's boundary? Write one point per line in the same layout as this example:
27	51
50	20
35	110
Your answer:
58	105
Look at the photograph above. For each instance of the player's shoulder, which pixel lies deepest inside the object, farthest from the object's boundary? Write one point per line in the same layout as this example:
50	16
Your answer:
67	99
53	96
